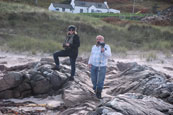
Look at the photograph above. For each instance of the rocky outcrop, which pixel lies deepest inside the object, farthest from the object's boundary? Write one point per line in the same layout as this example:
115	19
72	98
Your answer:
134	104
30	79
130	89
144	80
157	20
165	18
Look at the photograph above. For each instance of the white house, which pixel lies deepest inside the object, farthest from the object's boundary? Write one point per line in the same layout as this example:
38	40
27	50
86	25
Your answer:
77	6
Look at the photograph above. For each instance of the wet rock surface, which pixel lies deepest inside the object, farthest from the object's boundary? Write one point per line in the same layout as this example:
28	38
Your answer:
130	89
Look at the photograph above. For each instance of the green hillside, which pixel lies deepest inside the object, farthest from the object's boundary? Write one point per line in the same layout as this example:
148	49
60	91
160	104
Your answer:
122	5
34	29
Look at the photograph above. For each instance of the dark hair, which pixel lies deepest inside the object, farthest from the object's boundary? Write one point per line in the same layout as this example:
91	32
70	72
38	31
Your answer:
72	27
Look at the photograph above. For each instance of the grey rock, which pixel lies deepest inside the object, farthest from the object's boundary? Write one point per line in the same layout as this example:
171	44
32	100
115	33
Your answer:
144	80
3	67
164	94
11	80
6	94
125	104
130	89
41	86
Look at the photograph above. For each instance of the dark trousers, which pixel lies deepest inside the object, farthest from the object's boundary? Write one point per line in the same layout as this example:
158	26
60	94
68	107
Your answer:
64	53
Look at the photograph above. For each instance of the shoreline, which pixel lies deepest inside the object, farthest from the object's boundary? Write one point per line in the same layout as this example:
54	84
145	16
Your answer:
161	63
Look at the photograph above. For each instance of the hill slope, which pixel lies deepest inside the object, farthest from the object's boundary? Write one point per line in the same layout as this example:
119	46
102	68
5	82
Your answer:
27	28
122	5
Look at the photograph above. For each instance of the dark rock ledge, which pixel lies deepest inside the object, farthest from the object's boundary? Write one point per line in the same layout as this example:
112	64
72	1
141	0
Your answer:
130	89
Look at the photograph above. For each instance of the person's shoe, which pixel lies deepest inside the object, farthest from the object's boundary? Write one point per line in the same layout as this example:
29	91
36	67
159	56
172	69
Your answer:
98	94
56	68
71	79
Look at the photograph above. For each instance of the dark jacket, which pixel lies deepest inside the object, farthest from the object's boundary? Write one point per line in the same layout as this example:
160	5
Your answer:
74	42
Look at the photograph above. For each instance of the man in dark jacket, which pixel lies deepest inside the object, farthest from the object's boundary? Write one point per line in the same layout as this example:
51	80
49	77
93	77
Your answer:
71	45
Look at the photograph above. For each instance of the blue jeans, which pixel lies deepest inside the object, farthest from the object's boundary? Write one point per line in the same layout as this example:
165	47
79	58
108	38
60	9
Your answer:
99	75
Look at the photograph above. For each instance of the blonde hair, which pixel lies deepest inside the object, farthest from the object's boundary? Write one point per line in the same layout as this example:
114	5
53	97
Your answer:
74	32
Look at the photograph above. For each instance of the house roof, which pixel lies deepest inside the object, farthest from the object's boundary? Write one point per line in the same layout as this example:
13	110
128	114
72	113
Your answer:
88	4
62	5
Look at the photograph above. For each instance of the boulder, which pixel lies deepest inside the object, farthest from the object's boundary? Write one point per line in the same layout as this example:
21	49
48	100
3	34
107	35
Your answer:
11	80
31	79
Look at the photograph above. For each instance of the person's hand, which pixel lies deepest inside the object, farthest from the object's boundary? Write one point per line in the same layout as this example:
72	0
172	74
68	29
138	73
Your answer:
102	49
67	44
89	65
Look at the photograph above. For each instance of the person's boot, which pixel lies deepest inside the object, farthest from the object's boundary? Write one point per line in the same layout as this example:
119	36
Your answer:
99	94
71	79
56	68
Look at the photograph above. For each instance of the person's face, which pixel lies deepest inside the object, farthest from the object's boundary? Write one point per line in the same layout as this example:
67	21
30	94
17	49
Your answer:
71	31
99	39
